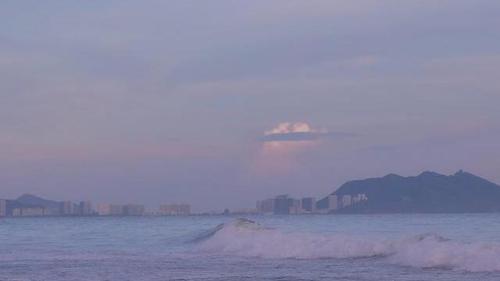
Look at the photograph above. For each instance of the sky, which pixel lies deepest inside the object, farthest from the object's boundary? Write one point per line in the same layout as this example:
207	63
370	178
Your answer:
221	103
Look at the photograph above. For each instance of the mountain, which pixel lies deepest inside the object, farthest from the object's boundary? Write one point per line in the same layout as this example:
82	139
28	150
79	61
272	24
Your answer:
428	192
31	201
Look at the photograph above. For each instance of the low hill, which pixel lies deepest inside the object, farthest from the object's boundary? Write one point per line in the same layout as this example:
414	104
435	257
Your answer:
428	192
32	200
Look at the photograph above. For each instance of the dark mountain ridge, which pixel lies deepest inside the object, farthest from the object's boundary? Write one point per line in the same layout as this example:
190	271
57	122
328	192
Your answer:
428	192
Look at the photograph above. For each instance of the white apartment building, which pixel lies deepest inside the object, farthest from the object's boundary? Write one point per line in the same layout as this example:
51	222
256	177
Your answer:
346	200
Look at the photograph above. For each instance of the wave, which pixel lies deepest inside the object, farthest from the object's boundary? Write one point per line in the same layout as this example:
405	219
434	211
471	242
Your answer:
423	251
238	223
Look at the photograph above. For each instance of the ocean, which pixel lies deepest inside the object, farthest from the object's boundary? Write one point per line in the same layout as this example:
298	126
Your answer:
451	247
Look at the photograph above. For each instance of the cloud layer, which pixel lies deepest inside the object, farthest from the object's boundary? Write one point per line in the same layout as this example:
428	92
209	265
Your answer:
299	131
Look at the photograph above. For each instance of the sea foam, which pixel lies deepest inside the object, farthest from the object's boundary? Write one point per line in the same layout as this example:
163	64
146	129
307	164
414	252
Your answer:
424	250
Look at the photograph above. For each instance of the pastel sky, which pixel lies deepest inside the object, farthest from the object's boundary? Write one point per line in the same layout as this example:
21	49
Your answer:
220	103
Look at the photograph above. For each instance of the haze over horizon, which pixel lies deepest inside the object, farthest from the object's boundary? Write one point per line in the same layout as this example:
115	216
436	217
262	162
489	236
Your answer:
219	104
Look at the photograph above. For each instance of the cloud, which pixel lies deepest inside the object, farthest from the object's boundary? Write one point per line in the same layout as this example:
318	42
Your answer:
283	146
287	131
299	131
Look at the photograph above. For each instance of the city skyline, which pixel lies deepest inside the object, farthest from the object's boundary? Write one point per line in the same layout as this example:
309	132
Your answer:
472	193
30	205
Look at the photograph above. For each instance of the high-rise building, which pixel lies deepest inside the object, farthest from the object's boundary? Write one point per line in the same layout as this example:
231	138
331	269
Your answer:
103	209
117	210
308	204
294	206
3	207
282	205
133	210
66	208
333	202
86	208
265	206
346	200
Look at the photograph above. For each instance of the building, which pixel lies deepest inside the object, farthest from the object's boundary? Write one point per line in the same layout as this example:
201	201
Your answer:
346	200
175	210
285	205
294	206
66	208
30	212
120	210
359	198
103	209
116	210
265	206
282	205
333	203
308	205
85	208
133	210
3	207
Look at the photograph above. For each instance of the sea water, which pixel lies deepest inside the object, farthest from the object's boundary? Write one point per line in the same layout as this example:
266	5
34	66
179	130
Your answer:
307	247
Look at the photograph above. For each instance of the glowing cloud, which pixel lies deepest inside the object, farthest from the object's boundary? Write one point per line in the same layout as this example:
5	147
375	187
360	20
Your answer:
287	131
282	145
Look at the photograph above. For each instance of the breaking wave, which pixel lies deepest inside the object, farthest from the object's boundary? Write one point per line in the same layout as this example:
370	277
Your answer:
424	251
